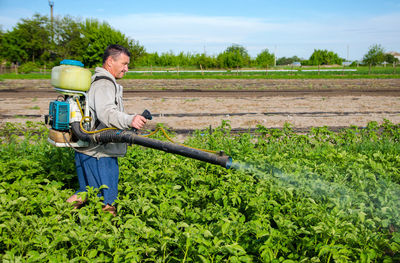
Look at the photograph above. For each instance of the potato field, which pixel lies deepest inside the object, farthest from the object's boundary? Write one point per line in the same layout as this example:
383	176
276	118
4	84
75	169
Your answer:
315	176
318	197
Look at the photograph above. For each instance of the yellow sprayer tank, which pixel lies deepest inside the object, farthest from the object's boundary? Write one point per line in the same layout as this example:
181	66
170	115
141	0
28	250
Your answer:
71	75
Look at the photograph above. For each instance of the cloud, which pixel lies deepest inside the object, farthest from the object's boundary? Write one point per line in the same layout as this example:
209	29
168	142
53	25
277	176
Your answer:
8	22
182	32
191	28
300	36
10	17
167	29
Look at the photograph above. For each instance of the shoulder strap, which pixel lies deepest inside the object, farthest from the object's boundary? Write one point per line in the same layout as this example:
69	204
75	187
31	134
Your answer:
110	79
107	78
98	124
103	77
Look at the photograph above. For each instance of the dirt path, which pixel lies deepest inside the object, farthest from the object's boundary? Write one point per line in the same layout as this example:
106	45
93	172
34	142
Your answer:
197	104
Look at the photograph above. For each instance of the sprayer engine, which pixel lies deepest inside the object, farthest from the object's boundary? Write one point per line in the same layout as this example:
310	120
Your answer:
64	111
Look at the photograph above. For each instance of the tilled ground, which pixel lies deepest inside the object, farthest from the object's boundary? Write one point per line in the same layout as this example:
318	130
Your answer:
197	104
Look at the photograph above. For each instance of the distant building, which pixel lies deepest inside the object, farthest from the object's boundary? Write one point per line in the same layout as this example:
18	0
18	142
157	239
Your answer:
346	63
395	54
296	64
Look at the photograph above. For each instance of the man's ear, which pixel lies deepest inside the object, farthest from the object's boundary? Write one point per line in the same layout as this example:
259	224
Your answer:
109	61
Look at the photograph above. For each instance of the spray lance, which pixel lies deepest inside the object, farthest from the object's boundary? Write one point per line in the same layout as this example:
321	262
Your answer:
70	124
131	136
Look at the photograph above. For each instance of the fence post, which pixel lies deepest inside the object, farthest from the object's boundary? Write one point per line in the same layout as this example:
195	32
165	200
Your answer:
201	68
318	69
178	70
151	70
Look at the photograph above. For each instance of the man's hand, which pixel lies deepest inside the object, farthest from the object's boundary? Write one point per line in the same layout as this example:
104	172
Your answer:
138	122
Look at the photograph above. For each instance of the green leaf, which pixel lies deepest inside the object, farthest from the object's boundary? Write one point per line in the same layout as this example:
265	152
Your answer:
92	253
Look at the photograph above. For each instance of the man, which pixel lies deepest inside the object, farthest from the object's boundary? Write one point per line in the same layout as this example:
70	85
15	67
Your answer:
97	165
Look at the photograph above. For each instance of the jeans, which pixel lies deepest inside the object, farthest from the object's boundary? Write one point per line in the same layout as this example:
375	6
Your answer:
96	172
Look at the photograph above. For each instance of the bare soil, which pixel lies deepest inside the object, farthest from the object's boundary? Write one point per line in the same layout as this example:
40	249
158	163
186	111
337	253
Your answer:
197	104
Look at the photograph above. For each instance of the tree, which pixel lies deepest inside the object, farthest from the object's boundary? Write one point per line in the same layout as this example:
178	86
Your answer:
137	51
67	38
11	48
68	42
375	55
36	35
1	35
234	56
265	59
389	58
287	61
149	59
27	41
98	36
324	57
206	61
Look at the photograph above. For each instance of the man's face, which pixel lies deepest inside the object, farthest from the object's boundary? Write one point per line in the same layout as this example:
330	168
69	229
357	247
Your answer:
119	66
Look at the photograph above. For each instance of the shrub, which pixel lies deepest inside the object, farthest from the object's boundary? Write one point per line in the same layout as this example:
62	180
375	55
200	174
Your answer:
28	67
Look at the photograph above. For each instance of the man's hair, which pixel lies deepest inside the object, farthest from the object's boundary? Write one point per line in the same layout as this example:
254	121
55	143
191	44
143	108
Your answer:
114	51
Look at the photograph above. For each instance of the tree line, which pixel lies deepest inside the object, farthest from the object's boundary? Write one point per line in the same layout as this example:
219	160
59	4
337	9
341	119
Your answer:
38	41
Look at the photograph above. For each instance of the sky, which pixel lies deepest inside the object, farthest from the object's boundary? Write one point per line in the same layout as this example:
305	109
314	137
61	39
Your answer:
284	27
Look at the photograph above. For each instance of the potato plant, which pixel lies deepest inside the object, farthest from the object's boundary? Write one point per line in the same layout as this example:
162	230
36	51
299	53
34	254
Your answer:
319	197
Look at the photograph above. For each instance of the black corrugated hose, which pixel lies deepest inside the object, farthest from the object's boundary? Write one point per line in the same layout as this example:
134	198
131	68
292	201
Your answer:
127	136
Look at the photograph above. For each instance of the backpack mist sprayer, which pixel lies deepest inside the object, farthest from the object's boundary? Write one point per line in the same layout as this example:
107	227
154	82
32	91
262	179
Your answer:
70	120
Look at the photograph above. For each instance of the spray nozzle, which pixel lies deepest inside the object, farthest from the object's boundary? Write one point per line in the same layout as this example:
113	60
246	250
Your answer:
147	115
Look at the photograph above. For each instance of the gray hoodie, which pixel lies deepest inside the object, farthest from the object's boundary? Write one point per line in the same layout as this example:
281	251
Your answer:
105	104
